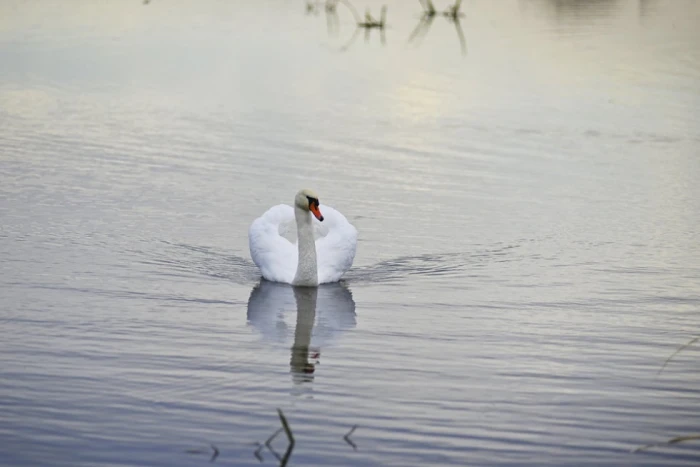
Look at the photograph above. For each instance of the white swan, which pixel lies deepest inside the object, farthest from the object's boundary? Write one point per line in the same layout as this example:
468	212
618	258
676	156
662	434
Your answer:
325	246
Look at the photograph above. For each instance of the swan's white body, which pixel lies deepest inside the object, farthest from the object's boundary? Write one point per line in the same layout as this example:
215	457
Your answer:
320	253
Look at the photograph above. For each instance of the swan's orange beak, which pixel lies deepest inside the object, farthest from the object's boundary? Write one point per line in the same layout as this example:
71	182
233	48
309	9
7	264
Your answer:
313	207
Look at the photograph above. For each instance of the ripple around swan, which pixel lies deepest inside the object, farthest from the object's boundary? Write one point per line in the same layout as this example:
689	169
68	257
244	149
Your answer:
202	261
440	264
186	260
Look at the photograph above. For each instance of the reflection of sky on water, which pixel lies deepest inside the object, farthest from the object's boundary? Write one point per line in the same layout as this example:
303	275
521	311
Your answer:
536	71
554	55
540	77
528	218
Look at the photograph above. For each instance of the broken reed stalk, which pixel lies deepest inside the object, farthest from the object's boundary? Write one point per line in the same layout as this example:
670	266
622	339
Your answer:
290	437
257	453
285	425
268	444
428	7
453	11
214	455
347	437
370	22
678	350
677	439
274	435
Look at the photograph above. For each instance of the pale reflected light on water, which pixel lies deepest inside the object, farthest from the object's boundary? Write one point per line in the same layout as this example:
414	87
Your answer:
523	180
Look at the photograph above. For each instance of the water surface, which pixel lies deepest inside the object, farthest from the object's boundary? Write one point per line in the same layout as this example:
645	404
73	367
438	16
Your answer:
527	203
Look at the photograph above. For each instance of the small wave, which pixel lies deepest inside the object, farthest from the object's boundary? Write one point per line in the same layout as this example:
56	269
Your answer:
440	264
183	260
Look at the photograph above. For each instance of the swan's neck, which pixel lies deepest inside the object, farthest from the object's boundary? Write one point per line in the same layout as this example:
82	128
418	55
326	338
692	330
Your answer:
307	274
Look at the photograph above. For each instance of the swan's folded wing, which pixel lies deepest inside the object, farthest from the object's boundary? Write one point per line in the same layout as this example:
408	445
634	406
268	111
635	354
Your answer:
273	254
336	250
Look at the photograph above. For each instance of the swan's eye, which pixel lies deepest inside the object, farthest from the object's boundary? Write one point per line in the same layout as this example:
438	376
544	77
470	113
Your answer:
312	201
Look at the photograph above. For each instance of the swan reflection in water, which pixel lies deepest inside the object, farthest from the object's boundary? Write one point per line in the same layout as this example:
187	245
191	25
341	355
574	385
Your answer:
321	314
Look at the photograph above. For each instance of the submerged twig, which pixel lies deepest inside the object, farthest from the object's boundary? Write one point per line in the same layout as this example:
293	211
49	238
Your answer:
290	437
347	437
257	452
274	435
274	453
676	440
285	425
268	444
681	348
214	455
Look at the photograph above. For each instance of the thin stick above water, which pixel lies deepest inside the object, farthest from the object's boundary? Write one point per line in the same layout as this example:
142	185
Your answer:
676	440
681	348
290	436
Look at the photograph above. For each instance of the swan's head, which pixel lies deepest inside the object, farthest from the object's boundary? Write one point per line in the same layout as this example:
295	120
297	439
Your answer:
308	201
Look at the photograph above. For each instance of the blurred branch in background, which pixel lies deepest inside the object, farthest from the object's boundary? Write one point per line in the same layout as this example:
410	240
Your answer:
370	22
426	20
313	7
451	12
367	24
332	19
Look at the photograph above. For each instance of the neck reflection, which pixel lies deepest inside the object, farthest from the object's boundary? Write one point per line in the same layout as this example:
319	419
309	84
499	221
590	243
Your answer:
302	368
322	313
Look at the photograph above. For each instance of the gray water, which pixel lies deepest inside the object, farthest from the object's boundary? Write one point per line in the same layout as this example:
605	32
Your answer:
525	187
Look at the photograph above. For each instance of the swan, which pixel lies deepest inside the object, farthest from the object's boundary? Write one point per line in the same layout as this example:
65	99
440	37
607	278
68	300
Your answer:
325	244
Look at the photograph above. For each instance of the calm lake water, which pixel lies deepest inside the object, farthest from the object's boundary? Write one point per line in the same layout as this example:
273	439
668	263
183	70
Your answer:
526	188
